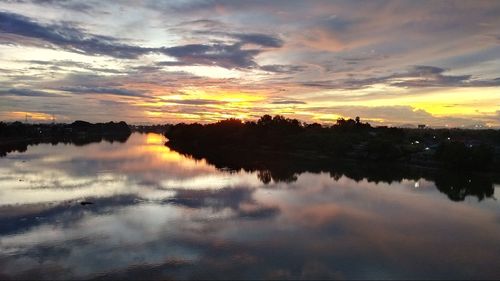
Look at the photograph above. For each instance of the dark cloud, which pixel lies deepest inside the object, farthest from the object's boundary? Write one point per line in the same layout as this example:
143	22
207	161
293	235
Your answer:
429	76
74	39
259	39
323	84
102	90
223	55
171	63
415	77
68	37
27	93
89	80
288	102
204	23
426	70
57	64
279	68
76	6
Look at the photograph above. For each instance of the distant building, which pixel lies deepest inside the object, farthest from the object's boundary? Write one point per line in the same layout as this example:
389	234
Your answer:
421	126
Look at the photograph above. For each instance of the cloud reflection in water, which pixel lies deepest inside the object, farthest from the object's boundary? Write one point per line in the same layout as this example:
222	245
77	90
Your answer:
158	214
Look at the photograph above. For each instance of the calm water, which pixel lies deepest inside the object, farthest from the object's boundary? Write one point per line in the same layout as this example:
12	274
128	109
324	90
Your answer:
158	214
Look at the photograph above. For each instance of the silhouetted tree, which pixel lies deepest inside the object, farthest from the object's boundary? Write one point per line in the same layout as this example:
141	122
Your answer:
346	138
458	155
17	136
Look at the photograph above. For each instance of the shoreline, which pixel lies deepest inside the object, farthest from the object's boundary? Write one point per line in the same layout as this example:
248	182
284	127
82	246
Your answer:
313	156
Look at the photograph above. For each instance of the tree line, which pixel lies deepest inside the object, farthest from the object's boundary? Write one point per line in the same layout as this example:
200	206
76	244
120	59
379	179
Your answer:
347	138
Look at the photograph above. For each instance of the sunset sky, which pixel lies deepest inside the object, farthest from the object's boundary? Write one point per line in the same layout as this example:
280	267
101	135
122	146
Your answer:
389	62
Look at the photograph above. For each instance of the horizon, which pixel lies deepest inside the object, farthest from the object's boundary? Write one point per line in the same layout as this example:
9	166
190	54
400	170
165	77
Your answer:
325	124
393	63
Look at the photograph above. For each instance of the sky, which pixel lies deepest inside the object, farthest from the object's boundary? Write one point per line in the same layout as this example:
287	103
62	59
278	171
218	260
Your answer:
393	63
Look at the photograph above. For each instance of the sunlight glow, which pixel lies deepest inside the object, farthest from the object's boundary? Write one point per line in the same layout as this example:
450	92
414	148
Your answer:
30	116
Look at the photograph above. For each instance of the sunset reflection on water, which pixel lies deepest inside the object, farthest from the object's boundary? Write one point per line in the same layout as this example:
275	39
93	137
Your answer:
158	214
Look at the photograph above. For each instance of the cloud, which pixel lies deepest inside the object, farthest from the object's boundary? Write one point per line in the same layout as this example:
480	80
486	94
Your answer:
223	55
59	64
217	199
67	211
231	54
429	76
195	101
76	6
288	102
73	39
396	115
102	90
303	48
280	68
68	37
337	24
171	63
205	23
27	93
415	77
426	70
240	200
259	39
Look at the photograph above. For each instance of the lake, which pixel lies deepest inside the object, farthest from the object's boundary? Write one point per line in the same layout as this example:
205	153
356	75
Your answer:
159	214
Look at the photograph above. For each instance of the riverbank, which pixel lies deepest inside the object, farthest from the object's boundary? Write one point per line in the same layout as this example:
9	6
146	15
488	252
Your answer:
465	150
18	136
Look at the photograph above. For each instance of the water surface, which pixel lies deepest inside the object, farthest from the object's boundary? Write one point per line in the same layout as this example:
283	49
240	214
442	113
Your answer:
157	214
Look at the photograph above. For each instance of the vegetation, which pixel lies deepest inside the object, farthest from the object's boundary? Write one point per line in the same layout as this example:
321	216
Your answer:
348	138
17	136
22	130
458	155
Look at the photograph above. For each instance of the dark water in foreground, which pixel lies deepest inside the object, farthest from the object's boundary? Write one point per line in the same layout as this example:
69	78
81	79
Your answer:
158	214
